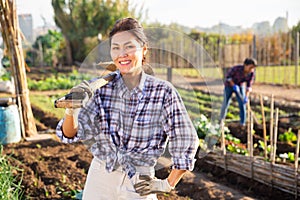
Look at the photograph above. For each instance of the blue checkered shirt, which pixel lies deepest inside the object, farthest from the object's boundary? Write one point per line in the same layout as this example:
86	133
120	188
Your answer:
131	128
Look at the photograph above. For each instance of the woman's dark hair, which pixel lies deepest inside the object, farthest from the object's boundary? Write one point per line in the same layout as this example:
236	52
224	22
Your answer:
134	27
131	25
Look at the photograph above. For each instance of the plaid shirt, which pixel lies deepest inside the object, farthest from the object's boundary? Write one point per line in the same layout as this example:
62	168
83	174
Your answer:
131	128
237	75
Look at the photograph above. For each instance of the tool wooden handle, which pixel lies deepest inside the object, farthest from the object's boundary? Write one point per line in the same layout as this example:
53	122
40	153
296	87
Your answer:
67	103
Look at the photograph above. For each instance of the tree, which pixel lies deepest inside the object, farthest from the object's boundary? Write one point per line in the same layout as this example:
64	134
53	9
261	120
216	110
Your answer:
80	19
52	45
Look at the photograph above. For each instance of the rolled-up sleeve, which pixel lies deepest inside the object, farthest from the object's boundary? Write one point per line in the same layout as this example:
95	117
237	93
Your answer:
61	136
183	139
87	127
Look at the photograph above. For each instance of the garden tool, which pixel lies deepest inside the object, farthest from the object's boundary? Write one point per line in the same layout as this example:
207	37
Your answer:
75	99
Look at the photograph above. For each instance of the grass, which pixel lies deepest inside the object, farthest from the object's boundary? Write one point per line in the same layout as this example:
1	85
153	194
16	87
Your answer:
10	186
46	103
277	74
264	74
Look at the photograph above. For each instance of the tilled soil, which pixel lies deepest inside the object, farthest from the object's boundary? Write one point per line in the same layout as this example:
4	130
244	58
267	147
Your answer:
53	170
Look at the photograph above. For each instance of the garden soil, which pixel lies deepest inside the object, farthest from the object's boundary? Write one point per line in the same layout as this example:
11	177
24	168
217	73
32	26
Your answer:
53	170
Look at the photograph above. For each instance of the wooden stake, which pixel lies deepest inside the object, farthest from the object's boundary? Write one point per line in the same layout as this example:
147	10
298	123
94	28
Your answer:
264	126
275	135
248	127
271	126
297	150
223	145
296	164
251	135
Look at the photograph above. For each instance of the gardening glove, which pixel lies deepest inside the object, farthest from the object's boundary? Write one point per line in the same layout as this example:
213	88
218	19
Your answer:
236	88
150	185
83	87
245	100
84	96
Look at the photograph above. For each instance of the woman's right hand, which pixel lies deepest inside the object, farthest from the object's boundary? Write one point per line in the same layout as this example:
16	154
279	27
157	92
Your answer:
70	124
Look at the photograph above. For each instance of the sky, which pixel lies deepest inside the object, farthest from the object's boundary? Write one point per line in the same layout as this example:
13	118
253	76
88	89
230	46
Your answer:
191	12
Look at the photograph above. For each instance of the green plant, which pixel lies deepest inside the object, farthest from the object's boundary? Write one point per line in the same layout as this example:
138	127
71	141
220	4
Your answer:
61	81
288	136
290	156
205	128
10	182
5	75
234	148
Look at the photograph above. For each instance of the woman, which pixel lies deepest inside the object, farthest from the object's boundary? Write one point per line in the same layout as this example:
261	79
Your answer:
130	120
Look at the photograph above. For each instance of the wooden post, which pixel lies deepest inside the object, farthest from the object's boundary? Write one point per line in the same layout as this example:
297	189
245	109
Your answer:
264	125
297	59
12	39
169	74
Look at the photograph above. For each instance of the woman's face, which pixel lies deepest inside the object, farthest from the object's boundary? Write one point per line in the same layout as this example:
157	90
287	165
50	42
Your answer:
126	52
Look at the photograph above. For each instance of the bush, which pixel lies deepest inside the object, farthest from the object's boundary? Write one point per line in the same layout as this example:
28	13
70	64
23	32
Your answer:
58	82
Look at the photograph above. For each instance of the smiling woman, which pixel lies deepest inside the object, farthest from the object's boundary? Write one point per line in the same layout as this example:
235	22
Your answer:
128	122
127	56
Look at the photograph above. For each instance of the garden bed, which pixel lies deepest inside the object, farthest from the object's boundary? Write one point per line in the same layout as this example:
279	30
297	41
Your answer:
52	170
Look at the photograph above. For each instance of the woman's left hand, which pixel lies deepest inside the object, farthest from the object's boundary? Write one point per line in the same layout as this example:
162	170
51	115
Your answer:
150	185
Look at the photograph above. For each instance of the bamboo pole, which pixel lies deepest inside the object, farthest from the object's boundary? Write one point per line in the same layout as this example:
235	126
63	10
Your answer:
8	35
275	136
223	145
297	150
251	134
10	28
248	128
264	126
251	144
297	59
296	163
271	126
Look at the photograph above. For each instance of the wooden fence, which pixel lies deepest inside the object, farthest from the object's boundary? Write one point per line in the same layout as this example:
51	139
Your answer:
264	169
282	177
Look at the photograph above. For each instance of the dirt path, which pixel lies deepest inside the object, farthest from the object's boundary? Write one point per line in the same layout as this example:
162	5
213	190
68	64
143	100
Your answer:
281	93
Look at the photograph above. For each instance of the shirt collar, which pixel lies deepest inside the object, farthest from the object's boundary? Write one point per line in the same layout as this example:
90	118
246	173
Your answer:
123	90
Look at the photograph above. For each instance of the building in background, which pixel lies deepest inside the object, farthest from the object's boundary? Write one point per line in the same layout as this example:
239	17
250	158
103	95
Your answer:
26	26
